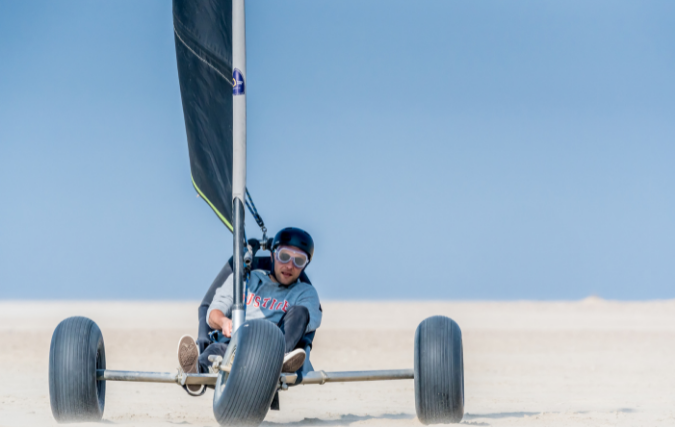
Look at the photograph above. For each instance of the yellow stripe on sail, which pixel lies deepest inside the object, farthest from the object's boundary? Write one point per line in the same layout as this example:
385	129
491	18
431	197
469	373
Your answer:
222	218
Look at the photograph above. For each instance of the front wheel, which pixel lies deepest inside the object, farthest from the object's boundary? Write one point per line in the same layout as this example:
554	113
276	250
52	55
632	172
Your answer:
256	353
76	352
439	371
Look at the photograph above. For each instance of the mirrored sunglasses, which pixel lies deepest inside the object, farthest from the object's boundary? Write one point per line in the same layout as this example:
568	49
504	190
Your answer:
285	255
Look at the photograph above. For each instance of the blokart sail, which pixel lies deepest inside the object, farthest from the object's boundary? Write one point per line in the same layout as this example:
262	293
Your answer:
203	37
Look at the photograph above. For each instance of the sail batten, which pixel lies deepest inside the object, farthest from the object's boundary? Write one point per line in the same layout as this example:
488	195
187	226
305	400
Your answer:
202	56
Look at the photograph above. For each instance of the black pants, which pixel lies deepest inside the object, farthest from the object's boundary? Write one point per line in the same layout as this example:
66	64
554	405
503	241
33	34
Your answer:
293	324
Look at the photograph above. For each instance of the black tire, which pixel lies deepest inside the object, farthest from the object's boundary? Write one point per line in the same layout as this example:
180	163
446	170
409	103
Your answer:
243	397
439	371
76	352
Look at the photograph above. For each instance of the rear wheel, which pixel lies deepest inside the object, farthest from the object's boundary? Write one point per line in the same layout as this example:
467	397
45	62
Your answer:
439	371
256	353
76	352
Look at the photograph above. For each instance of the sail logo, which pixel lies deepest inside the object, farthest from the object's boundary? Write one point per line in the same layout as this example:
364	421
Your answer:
239	87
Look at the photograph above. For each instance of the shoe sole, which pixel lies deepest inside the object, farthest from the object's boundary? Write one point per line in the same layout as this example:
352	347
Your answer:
294	362
188	357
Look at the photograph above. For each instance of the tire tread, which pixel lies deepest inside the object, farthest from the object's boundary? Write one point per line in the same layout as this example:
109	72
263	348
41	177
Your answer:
75	394
439	371
254	376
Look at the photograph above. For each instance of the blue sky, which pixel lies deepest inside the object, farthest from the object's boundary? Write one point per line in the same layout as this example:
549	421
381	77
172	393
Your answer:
434	149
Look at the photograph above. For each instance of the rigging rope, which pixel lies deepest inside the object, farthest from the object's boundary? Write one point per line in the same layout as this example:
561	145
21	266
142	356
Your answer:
258	219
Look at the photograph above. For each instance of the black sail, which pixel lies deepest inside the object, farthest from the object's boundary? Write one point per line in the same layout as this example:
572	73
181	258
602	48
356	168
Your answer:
203	36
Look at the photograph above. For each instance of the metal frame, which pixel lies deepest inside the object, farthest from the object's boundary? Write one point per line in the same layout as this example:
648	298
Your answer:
238	160
314	377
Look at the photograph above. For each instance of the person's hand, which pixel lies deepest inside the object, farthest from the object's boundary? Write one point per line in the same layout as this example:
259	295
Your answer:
226	327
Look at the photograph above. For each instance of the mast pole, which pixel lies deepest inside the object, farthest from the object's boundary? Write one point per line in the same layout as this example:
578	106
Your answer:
239	158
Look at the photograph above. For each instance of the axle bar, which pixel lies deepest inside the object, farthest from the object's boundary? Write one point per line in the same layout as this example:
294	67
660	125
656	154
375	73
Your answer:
321	377
156	377
314	377
147	377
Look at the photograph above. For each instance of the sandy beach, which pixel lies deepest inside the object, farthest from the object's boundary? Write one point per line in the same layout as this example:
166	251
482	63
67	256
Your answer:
585	363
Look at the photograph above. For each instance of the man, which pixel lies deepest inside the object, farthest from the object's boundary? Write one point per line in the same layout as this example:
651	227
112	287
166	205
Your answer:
275	295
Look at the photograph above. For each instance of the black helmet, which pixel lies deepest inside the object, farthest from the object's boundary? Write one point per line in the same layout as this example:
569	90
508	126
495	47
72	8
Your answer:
292	236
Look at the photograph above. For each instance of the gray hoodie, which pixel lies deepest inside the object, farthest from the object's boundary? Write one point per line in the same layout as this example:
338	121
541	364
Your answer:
266	299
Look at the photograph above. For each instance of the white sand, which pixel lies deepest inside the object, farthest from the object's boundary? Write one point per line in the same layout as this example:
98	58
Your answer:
585	363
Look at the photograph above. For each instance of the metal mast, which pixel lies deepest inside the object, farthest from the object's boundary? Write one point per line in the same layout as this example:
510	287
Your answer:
239	157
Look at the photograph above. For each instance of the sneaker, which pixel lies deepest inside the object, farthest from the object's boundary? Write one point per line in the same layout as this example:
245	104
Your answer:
293	361
188	359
